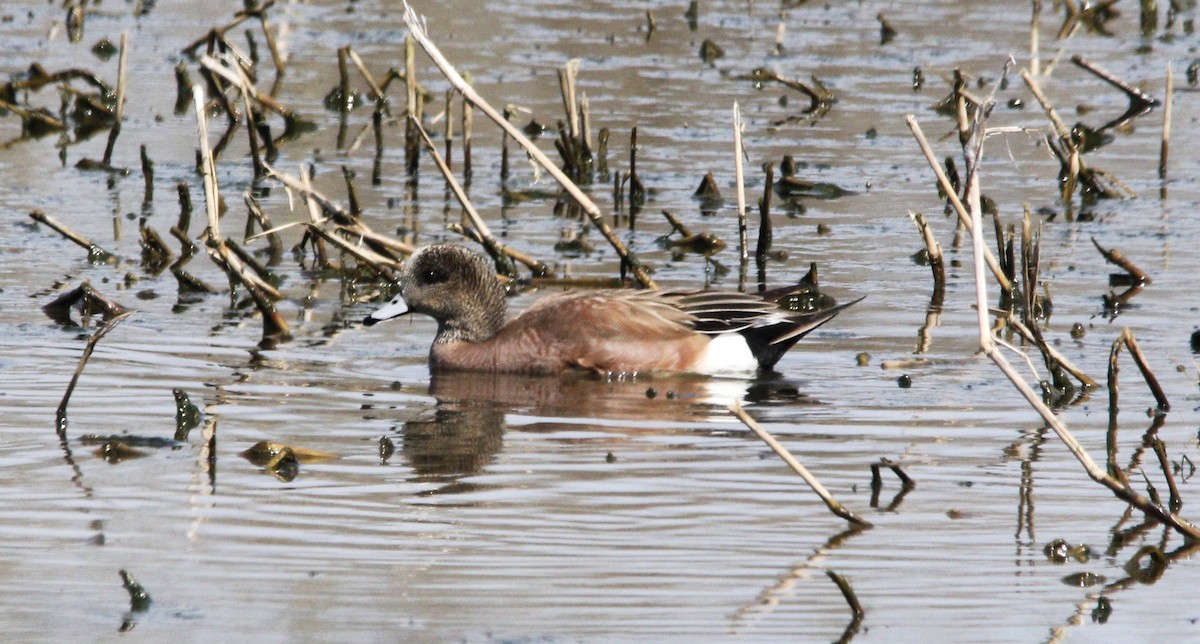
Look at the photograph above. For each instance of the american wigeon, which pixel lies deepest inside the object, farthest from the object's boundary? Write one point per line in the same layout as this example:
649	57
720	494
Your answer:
607	331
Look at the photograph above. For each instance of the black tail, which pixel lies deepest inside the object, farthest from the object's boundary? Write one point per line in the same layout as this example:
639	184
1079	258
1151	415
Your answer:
768	343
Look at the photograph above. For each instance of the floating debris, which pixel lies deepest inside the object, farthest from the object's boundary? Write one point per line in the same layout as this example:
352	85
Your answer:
1059	552
710	51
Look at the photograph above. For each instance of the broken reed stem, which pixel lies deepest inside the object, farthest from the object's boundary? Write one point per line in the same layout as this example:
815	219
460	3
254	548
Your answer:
1060	128
843	585
215	66
1117	258
273	324
417	29
120	111
1166	126
957	203
264	224
934	251
1139	359
448	132
61	413
251	127
93	250
566	82
380	243
538	268
973	152
411	155
1073	161
344	81
385	267
207	165
1035	63
147	177
743	241
787	457
765	233
468	122
494	248
340	215
380	99
1136	96
1062	360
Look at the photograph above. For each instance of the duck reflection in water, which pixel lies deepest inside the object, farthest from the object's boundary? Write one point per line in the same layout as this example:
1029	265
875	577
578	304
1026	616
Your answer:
466	430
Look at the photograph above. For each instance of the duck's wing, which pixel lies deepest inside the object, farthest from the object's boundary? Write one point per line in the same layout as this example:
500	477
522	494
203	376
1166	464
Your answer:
608	315
716	312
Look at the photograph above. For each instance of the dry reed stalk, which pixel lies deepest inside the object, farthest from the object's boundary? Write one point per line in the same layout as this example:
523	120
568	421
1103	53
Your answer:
219	32
351	192
537	267
411	154
61	413
95	253
1117	258
844	585
385	267
495	249
347	224
272	46
585	128
120	109
1035	63
448	132
217	66
274	326
1138	100
380	98
147	176
1166	126
787	457
936	263
48	122
567	75
378	242
1053	353
417	29
1126	339
339	214
316	218
344	81
765	233
738	151
468	124
973	153
951	194
1073	163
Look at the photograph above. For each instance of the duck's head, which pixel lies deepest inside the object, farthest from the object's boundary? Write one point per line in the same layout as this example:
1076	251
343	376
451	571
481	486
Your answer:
453	285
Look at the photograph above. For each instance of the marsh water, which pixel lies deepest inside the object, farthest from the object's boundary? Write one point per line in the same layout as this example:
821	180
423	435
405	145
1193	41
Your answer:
580	508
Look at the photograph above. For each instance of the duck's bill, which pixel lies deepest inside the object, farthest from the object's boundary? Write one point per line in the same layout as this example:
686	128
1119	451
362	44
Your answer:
395	308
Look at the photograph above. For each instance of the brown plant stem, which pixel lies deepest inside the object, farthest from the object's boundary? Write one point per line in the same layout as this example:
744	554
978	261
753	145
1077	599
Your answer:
787	457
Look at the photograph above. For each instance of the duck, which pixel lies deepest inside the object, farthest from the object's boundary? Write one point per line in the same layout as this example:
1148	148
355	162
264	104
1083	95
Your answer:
612	332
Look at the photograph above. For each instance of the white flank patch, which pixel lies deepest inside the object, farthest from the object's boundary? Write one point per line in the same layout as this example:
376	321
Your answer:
727	353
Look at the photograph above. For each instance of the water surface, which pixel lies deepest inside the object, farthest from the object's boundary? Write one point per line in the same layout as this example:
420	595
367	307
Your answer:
574	508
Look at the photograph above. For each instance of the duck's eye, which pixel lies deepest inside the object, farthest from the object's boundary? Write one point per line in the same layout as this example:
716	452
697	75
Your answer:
435	275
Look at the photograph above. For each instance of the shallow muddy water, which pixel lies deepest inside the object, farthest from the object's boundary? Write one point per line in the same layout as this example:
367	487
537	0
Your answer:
563	509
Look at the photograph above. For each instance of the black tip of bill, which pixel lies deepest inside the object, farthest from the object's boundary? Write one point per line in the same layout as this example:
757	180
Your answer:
394	308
